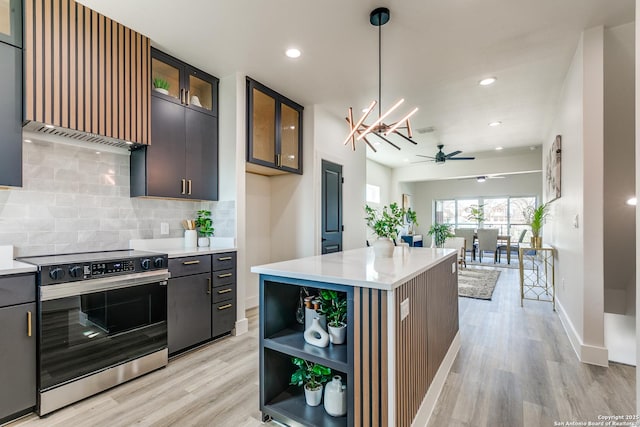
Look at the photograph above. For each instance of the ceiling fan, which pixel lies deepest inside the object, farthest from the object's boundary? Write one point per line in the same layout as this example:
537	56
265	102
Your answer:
441	157
483	178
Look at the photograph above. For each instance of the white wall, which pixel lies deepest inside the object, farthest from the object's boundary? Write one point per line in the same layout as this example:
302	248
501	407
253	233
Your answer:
579	266
258	229
637	164
379	175
424	193
619	169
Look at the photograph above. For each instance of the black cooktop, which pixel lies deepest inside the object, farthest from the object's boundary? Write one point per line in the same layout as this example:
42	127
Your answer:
44	260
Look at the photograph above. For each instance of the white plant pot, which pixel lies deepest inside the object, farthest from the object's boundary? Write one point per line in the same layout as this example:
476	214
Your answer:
335	397
203	242
383	247
313	397
338	335
163	91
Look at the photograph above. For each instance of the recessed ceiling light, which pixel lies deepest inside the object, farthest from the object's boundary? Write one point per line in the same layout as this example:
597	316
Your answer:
499	148
488	81
97	152
632	201
494	124
405	160
27	140
532	148
49	126
293	53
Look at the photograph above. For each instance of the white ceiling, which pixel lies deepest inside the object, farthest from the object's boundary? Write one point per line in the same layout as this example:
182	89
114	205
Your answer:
434	54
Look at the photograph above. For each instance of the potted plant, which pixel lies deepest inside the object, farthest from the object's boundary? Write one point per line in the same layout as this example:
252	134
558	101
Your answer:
439	233
205	228
536	217
475	213
412	219
313	376
385	225
334	306
161	85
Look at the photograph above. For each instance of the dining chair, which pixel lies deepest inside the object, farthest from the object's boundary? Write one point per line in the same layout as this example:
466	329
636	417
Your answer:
513	246
488	242
468	235
459	244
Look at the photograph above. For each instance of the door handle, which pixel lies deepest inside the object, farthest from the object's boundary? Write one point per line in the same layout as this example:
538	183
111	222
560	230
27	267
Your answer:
209	286
324	240
29	316
184	186
191	262
189	188
187	100
182	96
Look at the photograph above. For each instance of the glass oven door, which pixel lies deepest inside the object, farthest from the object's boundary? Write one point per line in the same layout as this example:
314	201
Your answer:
92	325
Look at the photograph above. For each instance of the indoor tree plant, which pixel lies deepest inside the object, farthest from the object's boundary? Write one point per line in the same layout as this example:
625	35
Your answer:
385	225
439	233
475	213
312	376
412	219
536	217
204	224
334	306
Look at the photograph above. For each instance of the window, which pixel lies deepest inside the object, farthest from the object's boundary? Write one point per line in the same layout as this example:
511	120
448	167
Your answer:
373	194
504	213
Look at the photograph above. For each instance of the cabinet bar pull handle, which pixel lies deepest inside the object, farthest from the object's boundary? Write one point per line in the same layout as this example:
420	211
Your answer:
209	288
224	291
184	186
29	323
224	307
220	276
189	187
187	100
225	258
278	160
197	261
182	96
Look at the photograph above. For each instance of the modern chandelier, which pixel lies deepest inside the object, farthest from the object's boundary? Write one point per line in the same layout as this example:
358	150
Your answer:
359	130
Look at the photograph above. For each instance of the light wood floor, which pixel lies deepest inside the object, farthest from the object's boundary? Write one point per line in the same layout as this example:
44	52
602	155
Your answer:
516	368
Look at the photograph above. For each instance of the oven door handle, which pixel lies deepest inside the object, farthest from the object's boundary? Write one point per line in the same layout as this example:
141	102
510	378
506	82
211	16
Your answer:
63	290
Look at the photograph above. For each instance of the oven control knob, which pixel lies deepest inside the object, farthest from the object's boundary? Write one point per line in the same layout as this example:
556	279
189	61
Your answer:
145	263
56	273
158	262
76	271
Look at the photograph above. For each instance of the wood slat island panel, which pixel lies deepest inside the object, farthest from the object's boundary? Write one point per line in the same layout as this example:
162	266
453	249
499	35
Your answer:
85	72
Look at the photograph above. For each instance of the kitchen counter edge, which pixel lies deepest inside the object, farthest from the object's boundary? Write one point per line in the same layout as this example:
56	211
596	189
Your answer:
16	267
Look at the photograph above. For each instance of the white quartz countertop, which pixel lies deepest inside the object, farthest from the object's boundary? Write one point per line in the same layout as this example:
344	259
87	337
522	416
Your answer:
174	247
359	267
16	267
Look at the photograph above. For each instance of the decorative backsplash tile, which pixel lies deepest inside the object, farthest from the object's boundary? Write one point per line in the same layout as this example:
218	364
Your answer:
74	199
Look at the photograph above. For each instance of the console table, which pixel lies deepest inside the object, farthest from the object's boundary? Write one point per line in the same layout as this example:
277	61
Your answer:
413	240
537	274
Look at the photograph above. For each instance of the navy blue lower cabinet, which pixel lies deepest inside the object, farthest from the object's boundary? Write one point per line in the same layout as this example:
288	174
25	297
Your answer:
413	240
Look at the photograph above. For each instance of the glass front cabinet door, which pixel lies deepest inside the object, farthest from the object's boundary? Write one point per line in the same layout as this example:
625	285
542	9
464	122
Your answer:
11	22
274	136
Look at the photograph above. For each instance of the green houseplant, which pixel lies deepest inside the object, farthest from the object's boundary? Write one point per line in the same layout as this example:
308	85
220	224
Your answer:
161	85
440	233
385	225
312	376
412	219
475	213
204	225
536	217
334	306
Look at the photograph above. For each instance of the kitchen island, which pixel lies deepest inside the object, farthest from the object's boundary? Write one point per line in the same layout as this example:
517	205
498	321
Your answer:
402	334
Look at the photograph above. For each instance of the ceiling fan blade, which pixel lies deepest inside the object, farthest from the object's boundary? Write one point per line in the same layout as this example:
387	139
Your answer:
495	177
426	157
422	161
455	153
461	158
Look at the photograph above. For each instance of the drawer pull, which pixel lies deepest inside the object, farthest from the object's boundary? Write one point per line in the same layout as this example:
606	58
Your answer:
224	291
224	307
221	276
209	286
191	262
225	258
184	186
29	323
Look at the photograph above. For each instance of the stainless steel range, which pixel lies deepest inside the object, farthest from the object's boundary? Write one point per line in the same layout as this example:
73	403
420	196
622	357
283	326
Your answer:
102	320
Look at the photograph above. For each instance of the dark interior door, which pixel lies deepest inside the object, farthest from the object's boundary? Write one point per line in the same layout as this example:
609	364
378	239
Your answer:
331	207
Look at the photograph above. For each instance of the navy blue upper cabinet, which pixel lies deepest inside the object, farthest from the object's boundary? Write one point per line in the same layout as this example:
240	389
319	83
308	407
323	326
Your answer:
274	131
11	22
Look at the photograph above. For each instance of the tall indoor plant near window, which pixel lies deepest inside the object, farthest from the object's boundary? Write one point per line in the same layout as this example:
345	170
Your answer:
385	225
536	217
439	233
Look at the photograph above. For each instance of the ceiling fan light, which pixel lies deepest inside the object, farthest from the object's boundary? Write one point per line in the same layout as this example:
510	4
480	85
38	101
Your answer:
487	81
494	124
481	178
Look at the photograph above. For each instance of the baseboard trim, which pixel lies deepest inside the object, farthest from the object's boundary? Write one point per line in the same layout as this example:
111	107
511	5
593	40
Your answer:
429	402
591	354
251	302
242	326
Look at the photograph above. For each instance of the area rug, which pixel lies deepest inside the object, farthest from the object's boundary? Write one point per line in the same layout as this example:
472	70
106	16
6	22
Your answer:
477	283
503	264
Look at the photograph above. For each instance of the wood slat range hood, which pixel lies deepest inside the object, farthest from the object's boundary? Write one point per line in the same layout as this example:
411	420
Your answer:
87	77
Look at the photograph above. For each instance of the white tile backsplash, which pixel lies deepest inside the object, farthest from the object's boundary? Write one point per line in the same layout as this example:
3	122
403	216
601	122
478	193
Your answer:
74	199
